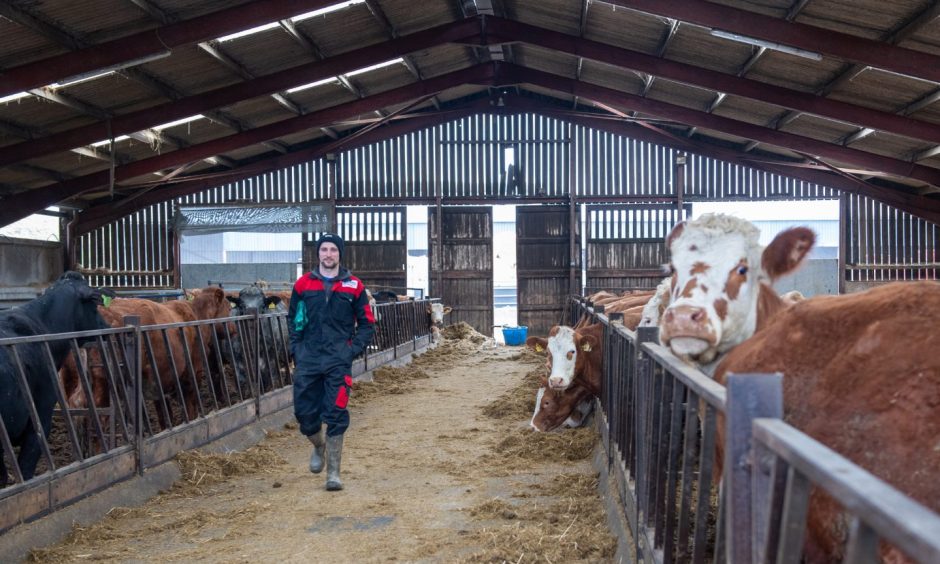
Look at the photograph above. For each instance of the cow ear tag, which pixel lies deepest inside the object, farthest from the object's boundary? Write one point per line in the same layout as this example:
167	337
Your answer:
538	348
586	347
106	301
271	306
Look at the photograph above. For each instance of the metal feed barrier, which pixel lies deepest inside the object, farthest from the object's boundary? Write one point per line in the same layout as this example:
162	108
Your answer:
659	426
128	424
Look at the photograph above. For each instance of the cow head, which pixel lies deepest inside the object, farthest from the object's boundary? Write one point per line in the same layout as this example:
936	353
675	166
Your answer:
653	310
72	305
252	297
719	270
554	408
437	311
564	358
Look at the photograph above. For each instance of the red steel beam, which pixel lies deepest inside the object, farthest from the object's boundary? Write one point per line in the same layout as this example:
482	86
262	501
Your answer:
153	41
104	213
823	41
509	30
511	74
462	30
40	198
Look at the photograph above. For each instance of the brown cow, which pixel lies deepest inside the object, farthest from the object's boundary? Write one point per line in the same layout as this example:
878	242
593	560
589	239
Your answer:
862	376
554	408
572	356
208	303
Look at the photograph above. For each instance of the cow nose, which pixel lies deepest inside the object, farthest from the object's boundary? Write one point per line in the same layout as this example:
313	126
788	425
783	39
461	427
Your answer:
555	382
685	315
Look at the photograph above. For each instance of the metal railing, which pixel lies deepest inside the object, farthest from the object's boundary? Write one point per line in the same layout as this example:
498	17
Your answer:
138	395
709	473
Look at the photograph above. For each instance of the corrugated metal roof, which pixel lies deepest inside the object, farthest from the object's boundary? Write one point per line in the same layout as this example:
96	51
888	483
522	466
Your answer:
190	70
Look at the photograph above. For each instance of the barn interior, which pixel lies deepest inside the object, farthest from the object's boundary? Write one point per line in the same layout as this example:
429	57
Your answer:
140	124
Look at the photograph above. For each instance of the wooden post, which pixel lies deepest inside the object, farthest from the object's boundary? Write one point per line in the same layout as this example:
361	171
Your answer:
574	217
750	396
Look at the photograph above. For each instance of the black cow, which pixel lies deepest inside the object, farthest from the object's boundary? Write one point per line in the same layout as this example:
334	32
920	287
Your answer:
67	305
385	297
273	335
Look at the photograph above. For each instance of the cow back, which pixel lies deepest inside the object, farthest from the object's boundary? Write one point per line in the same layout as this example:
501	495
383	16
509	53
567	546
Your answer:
861	375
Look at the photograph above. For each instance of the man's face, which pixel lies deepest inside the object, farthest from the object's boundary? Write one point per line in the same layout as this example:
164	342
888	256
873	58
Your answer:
329	255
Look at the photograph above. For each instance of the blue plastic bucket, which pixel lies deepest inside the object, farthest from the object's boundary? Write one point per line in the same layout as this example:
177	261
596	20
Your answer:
515	335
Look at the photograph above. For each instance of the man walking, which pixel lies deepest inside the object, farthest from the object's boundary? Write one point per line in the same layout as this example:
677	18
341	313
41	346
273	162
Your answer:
330	322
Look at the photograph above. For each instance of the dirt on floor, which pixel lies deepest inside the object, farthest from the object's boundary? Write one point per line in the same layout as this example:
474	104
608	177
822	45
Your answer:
439	465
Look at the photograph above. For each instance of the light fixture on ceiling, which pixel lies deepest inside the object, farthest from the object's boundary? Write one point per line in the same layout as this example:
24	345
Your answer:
103	71
767	44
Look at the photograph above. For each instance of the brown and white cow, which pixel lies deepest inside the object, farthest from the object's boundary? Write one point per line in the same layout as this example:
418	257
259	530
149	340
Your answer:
861	374
573	359
721	283
572	356
437	311
554	408
653	309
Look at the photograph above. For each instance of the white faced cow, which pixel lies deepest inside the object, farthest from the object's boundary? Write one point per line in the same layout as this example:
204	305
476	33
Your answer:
437	311
571	355
721	280
654	308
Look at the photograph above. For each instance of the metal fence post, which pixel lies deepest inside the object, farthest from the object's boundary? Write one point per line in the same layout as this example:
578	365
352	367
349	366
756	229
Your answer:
749	396
256	358
132	353
642	383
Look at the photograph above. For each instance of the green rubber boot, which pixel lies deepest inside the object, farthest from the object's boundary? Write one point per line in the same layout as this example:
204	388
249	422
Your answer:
334	455
316	457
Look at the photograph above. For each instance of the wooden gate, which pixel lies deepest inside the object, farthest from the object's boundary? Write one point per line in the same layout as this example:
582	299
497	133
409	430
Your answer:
548	266
626	244
460	249
376	249
376	246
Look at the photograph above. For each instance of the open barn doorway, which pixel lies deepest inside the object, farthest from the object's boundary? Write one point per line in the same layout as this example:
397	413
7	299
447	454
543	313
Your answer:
505	257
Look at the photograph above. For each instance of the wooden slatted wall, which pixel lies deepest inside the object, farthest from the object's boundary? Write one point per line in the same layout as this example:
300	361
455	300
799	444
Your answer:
881	244
467	160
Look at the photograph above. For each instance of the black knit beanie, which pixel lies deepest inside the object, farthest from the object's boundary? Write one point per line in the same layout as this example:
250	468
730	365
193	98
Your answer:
331	238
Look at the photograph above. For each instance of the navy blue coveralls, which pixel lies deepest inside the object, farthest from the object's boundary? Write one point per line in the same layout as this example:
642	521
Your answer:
330	323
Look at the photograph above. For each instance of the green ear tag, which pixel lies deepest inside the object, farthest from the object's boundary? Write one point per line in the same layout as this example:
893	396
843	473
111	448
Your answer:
106	300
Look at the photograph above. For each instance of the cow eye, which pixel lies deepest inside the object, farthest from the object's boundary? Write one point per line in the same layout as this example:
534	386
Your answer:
742	270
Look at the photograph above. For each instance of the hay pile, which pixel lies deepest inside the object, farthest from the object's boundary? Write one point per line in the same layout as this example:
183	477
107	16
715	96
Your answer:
462	331
522	446
388	380
147	521
198	470
572	527
519	402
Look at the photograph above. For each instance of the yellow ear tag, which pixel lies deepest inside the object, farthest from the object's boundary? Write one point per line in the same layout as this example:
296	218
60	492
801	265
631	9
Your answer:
271	306
538	348
586	347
